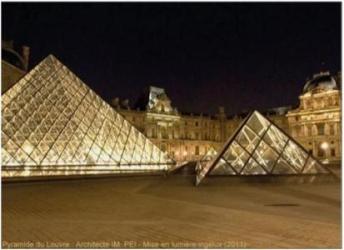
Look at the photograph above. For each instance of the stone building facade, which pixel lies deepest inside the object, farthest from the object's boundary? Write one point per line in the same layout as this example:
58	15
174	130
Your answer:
316	123
14	64
188	137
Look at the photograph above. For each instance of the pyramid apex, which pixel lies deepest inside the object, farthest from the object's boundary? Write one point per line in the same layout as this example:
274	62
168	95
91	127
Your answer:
52	57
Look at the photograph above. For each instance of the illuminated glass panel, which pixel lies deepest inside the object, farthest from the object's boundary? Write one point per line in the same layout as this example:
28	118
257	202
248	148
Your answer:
313	167
275	138
295	155
283	167
260	148
211	153
265	156
236	156
247	138
252	168
258	123
53	124
222	168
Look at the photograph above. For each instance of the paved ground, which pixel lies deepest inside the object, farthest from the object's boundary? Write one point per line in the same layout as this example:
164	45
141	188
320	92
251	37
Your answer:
171	212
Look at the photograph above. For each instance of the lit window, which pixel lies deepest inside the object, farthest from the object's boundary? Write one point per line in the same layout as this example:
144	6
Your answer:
321	129
322	147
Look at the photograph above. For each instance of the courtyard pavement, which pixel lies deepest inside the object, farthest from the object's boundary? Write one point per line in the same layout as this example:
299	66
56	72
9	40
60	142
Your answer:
170	212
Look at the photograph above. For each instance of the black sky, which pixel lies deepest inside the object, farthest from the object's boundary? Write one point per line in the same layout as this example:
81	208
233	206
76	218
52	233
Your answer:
241	56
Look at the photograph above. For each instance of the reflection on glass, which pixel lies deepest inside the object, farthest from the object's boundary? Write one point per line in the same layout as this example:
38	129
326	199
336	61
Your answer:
265	156
222	168
236	156
247	138
295	155
252	168
313	167
282	167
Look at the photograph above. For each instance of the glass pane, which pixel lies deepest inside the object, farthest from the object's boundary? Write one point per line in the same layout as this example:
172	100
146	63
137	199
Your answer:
275	139
252	168
210	154
283	167
247	138
222	168
295	155
258	123
265	156
313	167
236	156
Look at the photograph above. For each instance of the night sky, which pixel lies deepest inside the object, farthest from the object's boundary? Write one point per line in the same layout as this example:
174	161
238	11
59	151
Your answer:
240	56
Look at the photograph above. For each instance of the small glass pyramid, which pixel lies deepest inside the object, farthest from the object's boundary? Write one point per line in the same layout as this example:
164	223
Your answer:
53	124
206	159
259	147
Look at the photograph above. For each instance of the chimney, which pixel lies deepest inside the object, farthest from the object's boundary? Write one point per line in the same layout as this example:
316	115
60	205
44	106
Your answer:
26	55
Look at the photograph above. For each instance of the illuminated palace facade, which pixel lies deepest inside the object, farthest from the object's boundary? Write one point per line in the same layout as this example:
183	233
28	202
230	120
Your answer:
315	123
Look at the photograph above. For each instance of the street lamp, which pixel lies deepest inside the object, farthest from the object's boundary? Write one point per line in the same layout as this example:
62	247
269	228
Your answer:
324	145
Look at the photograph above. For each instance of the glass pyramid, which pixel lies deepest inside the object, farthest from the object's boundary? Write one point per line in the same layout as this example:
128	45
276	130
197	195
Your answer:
259	147
53	124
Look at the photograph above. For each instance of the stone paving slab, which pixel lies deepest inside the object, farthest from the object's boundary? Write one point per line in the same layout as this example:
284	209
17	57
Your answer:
170	212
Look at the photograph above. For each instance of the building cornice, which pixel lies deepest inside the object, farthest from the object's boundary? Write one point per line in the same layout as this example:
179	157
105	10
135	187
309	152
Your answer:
312	111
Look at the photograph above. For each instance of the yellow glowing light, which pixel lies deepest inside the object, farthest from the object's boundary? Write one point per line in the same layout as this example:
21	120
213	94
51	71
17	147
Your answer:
324	145
26	172
27	147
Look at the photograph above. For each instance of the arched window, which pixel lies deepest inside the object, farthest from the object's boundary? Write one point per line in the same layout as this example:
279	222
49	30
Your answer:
321	152
164	133
196	150
309	130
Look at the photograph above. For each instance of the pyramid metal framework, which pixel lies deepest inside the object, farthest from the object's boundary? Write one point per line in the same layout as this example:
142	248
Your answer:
259	147
54	124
